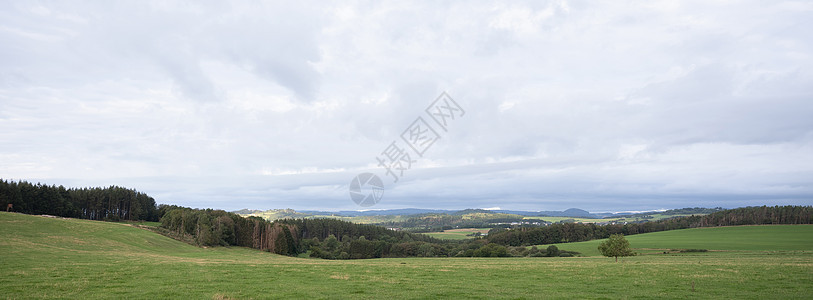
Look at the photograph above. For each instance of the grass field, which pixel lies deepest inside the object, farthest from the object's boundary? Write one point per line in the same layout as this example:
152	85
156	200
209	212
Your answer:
734	238
457	234
59	258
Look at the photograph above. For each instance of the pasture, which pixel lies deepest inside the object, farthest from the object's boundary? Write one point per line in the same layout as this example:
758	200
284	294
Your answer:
68	258
742	239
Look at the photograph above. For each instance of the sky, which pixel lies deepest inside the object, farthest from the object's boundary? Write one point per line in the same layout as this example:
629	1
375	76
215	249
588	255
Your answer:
599	105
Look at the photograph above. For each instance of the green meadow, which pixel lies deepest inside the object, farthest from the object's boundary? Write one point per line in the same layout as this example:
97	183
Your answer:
742	239
457	234
68	258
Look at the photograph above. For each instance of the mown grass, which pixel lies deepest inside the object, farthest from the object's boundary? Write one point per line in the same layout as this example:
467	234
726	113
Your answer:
57	258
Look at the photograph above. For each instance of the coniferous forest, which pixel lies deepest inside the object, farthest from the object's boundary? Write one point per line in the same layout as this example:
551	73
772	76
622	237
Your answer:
110	204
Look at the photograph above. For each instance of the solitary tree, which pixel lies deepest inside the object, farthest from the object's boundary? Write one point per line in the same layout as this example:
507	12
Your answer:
615	246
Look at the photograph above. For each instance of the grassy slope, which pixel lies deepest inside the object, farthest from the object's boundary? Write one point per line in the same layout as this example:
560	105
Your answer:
46	258
735	238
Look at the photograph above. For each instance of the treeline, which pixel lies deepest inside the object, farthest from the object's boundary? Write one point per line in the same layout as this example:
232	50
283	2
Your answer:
756	215
692	210
322	228
324	238
111	204
337	239
208	227
577	232
464	219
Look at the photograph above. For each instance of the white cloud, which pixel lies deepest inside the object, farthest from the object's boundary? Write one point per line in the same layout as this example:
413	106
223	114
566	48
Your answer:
603	106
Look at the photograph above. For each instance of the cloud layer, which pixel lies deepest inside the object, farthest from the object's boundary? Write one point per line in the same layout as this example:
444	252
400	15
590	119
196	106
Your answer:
603	106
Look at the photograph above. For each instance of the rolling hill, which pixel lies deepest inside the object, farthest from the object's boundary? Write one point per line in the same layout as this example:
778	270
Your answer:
45	258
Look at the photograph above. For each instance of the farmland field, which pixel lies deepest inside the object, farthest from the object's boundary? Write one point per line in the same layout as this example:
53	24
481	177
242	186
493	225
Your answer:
68	258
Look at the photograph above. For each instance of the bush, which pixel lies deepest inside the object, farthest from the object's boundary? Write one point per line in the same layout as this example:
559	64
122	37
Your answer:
552	251
491	250
519	251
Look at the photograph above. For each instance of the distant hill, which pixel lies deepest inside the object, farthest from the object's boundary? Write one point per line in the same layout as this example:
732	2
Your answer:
572	212
274	214
247	211
688	211
385	212
431	220
474	211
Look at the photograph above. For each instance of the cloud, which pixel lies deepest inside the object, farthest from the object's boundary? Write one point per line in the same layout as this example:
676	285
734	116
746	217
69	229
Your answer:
603	106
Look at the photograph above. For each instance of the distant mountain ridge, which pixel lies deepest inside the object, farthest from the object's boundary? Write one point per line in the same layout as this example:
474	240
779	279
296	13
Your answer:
571	212
385	212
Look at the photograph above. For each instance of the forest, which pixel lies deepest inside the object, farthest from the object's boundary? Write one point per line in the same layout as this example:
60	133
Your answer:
110	204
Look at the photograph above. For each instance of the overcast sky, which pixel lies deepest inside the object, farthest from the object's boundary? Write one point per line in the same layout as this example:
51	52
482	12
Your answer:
600	105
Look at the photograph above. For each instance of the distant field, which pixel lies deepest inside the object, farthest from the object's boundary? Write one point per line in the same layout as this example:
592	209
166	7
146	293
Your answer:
457	234
652	217
735	238
271	215
58	258
575	219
